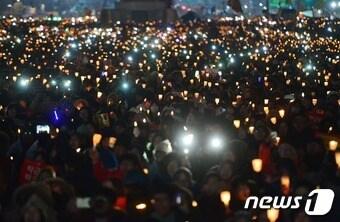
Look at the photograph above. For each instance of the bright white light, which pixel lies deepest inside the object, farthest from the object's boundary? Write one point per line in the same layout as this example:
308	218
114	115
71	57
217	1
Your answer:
213	47
67	54
188	139
333	4
24	82
153	56
232	60
125	85
216	142
309	67
67	83
130	58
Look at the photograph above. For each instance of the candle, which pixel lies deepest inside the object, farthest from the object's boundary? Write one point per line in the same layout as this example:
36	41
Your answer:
251	129
237	123
257	165
99	94
333	145
217	101
314	102
225	197
96	139
337	158
146	171
141	206
277	140
273	214
282	113
285	181
266	109
273	120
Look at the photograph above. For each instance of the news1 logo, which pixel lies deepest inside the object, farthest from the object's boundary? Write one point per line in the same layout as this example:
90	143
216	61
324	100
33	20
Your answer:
319	202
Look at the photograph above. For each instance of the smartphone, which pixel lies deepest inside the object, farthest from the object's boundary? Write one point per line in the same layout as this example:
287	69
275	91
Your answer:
43	129
83	203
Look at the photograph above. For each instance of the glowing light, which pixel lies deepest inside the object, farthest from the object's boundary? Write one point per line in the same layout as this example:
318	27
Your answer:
333	144
272	214
67	54
251	129
225	197
67	83
24	82
146	171
125	85
141	206
55	113
337	158
96	139
333	4
188	139
285	181
237	123
216	142
257	165
282	113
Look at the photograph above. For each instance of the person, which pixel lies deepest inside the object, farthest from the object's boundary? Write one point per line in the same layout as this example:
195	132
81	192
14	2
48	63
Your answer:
164	209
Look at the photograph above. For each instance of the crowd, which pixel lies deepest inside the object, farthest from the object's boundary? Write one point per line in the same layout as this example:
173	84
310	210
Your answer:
167	123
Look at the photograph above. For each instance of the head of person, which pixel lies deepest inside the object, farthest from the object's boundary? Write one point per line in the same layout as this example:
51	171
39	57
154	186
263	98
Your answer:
162	200
183	178
102	201
171	163
129	162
